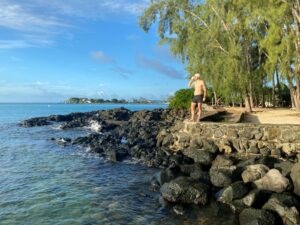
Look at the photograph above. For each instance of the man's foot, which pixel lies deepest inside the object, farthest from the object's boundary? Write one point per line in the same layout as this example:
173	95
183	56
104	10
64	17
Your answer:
191	120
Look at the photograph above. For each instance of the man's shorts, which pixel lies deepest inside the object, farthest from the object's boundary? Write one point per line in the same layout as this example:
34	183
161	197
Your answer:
197	99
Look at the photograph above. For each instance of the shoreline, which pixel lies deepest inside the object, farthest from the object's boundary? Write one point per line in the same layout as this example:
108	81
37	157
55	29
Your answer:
198	172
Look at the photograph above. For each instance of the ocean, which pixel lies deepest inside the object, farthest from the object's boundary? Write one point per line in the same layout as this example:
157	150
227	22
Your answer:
44	183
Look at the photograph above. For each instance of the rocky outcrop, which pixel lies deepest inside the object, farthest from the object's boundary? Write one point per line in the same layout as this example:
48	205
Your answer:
250	168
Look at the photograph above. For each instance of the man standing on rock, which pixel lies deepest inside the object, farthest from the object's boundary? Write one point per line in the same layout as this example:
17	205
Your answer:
199	95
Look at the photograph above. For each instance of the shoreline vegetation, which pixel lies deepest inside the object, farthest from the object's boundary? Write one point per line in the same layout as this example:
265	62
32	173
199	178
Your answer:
75	100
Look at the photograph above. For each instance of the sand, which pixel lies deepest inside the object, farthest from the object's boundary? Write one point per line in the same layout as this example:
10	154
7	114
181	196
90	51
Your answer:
271	116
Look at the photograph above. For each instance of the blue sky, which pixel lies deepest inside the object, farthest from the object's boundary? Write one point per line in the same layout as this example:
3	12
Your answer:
53	50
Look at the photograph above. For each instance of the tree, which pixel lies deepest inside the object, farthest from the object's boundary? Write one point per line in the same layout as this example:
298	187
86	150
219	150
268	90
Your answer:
239	46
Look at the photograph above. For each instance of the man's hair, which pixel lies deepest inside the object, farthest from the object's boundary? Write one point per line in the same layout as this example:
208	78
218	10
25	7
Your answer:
197	75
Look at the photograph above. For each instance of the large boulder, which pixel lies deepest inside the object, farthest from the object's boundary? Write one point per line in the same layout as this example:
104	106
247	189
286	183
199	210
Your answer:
185	190
234	191
284	167
272	181
222	161
289	215
166	175
201	156
250	216
254	172
295	175
222	176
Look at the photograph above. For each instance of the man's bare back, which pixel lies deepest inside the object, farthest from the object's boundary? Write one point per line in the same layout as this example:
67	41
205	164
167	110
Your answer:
199	95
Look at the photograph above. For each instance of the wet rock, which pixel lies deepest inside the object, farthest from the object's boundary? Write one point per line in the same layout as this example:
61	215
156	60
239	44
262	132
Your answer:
289	215
222	176
166	175
154	185
35	122
272	181
295	175
116	156
254	172
62	141
234	191
179	210
251	216
185	190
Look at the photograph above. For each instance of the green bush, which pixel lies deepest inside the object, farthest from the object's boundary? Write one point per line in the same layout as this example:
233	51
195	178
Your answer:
182	99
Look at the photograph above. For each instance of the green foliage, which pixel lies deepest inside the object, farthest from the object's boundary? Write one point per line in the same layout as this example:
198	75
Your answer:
235	44
182	99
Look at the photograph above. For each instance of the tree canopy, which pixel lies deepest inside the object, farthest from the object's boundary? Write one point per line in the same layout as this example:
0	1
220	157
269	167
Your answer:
241	47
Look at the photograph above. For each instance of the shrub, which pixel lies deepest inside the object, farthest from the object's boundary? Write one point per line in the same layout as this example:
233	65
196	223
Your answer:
182	99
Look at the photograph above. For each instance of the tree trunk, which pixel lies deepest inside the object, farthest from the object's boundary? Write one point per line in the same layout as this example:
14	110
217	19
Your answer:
291	88
216	100
251	95
297	91
273	91
248	104
278	83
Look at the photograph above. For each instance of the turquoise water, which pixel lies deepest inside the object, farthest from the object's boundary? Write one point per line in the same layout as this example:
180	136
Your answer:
43	183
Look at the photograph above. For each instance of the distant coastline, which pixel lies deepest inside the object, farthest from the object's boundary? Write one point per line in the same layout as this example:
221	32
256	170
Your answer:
76	100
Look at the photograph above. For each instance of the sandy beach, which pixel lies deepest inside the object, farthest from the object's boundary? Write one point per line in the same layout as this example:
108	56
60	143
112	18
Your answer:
270	116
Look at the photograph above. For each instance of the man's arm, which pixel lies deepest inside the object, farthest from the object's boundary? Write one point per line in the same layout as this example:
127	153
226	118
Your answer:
191	82
204	90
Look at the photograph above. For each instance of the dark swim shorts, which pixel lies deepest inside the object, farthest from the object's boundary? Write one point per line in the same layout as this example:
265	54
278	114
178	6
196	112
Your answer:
197	99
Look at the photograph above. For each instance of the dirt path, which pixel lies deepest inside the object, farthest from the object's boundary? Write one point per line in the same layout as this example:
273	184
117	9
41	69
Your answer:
271	116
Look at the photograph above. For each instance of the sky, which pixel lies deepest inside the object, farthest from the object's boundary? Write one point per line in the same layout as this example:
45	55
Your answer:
53	50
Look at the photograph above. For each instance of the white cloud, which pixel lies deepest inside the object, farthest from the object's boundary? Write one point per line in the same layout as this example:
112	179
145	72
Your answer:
158	66
8	44
45	20
15	16
101	57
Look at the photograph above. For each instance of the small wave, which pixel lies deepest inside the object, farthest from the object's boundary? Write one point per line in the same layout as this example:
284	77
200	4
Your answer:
56	127
95	126
132	161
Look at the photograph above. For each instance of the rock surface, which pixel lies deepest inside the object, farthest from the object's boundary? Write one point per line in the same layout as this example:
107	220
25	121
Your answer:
251	216
272	181
185	190
254	172
289	215
295	175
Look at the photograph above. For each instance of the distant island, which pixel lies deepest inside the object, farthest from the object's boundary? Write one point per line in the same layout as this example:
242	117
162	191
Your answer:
76	100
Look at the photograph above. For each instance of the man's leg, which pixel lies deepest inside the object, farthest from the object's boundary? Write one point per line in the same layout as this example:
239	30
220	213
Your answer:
193	106
199	111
